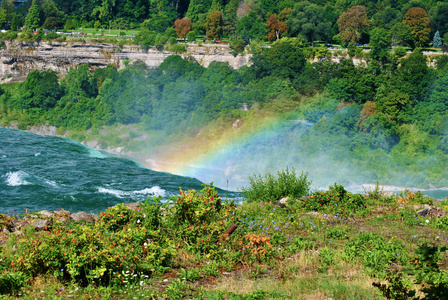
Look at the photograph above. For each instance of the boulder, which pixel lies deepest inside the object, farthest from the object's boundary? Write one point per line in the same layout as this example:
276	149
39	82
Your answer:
132	206
45	213
82	217
62	220
40	223
17	225
237	124
283	202
429	211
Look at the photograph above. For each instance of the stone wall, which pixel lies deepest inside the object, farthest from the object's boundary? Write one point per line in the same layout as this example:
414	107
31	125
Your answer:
18	59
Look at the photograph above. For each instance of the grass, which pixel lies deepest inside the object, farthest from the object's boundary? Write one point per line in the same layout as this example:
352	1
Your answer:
275	252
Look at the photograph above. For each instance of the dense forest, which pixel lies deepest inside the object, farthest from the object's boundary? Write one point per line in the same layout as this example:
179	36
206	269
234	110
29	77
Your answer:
415	23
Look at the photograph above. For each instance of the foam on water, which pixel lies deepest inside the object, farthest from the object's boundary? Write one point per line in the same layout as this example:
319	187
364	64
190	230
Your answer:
17	178
154	191
50	183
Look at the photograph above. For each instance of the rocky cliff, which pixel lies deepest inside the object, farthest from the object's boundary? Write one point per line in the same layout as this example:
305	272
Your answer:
18	59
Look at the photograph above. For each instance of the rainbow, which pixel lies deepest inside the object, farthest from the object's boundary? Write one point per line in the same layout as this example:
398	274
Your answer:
229	157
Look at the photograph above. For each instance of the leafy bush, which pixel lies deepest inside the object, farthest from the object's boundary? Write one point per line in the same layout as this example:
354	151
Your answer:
199	218
121	240
335	200
271	188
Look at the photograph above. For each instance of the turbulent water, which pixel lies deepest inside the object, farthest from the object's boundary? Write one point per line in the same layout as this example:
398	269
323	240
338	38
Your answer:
44	172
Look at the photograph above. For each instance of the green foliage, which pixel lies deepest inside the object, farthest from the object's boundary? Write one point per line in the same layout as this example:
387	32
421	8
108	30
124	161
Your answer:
191	36
11	283
121	240
237	45
334	201
308	19
284	59
32	18
398	288
251	27
375	253
269	188
40	90
428	272
199	217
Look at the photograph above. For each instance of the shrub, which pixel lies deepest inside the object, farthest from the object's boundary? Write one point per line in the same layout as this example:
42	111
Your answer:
122	240
335	200
199	218
191	36
271	188
177	48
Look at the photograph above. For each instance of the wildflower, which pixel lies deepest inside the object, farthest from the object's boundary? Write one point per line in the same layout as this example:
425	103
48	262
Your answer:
427	221
330	242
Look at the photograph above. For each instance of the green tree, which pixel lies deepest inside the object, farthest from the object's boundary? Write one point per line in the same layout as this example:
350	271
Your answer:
196	8
131	95
97	25
413	75
308	19
3	16
79	83
393	104
251	27
70	24
40	90
104	12
439	19
386	18
352	23
32	18
284	59
380	45
418	21
51	15
6	12
401	34
120	23
16	22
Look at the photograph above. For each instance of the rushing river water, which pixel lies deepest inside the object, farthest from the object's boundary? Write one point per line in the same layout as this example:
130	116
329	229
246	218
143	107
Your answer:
45	172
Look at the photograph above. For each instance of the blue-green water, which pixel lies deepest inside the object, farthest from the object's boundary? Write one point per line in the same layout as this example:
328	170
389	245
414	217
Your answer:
44	172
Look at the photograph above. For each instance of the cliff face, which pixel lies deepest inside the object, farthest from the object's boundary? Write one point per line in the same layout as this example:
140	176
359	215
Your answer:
17	60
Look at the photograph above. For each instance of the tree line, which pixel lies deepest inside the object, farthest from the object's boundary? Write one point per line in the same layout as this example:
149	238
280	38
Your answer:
414	23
